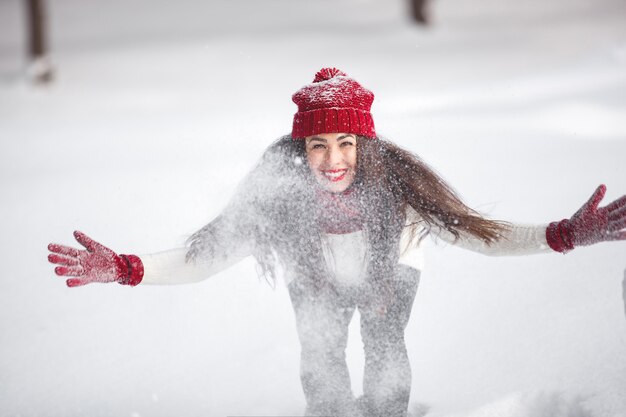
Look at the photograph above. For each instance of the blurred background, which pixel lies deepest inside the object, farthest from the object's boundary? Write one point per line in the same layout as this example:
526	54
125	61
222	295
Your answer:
133	120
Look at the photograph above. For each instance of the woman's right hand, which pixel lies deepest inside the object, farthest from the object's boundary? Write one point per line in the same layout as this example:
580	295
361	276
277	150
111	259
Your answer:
95	264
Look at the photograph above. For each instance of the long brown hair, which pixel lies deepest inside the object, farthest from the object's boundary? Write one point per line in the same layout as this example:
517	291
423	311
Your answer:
275	208
435	204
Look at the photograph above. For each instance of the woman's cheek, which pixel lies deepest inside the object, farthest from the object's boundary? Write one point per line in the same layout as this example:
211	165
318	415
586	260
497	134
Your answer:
314	161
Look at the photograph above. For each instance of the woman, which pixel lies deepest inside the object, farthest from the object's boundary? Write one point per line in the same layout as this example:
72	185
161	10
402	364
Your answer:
341	212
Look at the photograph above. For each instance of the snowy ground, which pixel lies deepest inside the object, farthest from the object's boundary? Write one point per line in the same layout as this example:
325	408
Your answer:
159	109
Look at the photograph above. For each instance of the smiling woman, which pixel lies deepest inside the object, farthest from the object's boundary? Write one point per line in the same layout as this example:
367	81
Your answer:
332	160
342	211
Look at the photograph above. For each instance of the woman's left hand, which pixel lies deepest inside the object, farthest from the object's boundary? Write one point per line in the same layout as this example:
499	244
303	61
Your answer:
591	224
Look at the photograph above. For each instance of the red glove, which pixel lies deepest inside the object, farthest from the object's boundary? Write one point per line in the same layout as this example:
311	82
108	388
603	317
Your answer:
96	264
591	224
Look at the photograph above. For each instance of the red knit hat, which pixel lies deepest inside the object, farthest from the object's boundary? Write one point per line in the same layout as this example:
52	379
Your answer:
333	103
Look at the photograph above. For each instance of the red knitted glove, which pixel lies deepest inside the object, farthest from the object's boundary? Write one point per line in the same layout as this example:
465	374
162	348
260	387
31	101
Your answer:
96	264
591	224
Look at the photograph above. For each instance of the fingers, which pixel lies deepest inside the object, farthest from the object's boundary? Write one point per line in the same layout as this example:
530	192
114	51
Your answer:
617	217
89	244
71	271
63	250
596	197
617	235
618	204
615	225
617	214
75	282
62	260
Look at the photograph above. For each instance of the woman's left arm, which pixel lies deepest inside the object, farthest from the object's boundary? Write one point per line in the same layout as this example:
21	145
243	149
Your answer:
517	240
589	225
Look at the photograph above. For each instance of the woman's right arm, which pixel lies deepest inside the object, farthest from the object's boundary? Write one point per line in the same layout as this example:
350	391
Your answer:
173	267
98	263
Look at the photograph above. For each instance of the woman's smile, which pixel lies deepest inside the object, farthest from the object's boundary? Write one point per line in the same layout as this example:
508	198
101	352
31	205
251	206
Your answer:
335	175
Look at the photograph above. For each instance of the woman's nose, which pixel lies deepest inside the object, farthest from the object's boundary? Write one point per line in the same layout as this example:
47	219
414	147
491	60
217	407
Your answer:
334	155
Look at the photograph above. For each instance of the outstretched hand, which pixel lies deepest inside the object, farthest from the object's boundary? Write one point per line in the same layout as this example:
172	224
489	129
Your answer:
591	224
95	264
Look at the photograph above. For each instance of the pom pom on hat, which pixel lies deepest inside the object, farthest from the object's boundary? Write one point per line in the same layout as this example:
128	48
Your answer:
327	73
333	103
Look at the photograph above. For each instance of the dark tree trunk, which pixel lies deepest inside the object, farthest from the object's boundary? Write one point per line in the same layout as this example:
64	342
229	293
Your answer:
41	69
419	12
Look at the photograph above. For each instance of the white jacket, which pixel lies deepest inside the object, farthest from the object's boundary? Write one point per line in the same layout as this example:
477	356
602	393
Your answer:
345	254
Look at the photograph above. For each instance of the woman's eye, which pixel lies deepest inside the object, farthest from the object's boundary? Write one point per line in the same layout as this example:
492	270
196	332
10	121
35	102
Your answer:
347	143
318	146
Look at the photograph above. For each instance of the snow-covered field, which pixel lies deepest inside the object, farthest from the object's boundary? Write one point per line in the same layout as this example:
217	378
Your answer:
159	108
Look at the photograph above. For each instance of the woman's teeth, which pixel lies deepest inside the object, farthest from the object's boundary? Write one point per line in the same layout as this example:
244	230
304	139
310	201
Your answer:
335	175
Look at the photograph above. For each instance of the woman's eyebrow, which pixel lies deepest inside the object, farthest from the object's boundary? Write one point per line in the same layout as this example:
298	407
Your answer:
351	136
318	139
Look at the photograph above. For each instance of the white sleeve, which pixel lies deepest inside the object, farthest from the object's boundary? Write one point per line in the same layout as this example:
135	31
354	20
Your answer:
171	267
518	240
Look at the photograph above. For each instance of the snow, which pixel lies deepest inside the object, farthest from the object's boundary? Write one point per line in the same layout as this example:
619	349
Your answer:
158	110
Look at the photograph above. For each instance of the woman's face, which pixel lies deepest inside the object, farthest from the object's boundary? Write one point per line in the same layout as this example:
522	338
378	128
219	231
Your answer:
332	160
